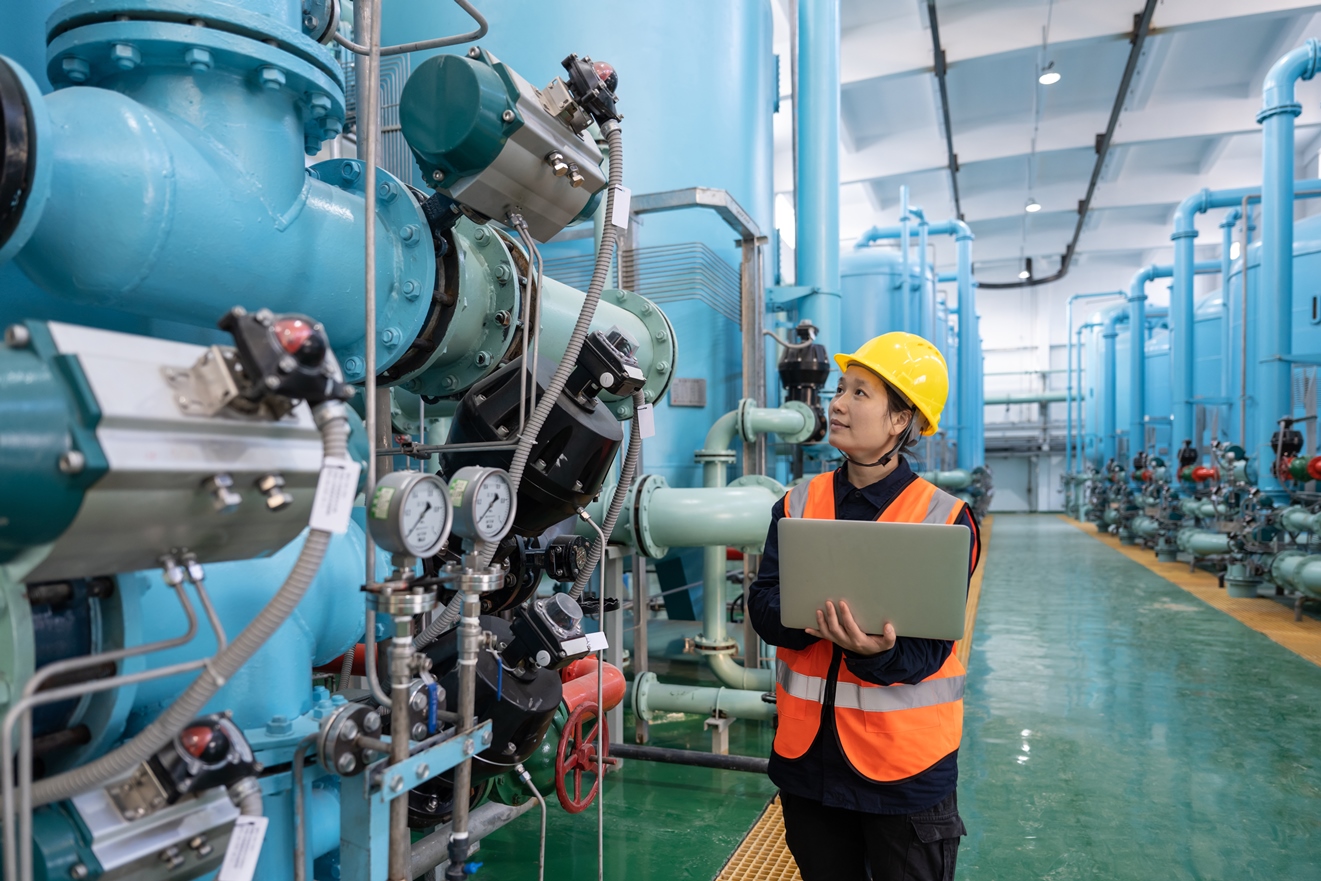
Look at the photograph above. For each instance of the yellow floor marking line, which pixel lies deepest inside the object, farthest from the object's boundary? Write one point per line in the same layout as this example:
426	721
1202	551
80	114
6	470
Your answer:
974	594
1265	616
763	855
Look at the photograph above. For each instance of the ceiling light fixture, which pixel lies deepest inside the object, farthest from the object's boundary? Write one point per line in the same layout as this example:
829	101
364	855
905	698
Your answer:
1027	269
1032	206
1049	76
1025	275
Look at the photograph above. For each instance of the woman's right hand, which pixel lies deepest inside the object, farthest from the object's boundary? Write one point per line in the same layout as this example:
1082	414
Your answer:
840	628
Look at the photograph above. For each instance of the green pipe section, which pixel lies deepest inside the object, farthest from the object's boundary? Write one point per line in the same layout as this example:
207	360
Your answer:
959	478
651	696
1297	519
1144	526
1029	398
1294	569
1201	543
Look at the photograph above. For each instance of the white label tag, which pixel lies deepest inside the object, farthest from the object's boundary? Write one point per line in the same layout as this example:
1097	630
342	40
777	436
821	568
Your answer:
244	849
622	207
596	642
646	421
335	491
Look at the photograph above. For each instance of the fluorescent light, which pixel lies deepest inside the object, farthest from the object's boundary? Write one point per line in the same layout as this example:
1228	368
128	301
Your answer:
1049	78
1032	206
1025	274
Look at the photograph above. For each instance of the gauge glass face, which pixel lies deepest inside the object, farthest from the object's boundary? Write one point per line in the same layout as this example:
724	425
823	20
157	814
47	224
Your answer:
422	516
493	507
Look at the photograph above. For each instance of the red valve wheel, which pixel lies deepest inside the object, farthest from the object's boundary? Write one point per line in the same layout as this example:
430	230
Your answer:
577	755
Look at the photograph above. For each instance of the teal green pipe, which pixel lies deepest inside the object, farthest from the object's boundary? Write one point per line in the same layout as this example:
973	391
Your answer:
1202	543
651	696
1299	571
958	478
1144	526
1296	519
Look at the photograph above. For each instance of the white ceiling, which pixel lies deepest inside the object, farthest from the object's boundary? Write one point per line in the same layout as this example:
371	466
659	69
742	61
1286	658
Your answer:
1188	122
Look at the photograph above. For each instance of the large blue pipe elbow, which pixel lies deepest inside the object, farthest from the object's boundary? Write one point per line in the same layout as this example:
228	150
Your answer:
182	194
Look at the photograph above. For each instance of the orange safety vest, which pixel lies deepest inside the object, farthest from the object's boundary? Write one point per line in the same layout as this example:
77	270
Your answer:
888	733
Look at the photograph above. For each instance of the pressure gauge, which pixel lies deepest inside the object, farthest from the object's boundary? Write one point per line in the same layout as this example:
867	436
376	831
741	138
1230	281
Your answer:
484	503
410	513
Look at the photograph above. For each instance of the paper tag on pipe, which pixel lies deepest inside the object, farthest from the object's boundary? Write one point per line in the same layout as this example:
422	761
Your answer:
646	421
622	207
336	489
244	849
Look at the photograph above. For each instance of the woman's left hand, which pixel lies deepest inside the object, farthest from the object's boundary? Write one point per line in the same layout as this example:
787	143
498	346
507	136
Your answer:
840	628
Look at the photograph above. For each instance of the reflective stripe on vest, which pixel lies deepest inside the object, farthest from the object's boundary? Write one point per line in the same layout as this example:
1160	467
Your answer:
887	732
870	698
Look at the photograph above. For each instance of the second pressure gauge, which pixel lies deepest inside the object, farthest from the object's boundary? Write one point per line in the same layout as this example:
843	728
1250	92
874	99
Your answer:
410	513
484	503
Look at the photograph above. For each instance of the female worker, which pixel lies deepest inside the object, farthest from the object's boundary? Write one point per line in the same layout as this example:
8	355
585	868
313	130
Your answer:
866	750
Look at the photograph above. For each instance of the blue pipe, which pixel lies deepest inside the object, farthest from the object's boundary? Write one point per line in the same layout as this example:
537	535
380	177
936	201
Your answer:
817	194
1274	304
969	381
1226	269
902	320
1068	405
926	312
1137	298
1182	306
1081	440
161	137
1110	333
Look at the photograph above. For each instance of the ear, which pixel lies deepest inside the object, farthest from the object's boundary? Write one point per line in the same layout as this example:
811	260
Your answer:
904	419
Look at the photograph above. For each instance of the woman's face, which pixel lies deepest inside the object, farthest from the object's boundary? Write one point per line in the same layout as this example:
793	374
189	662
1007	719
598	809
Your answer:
861	424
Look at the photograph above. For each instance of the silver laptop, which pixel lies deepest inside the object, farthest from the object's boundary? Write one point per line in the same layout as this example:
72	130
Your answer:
914	575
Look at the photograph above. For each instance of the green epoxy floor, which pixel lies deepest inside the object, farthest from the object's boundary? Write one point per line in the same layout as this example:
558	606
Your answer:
661	821
1116	728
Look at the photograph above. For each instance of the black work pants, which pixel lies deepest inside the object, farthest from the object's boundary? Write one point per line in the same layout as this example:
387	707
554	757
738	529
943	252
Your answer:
835	844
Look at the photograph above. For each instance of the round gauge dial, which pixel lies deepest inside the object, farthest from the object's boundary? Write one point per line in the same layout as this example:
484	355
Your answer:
484	503
410	513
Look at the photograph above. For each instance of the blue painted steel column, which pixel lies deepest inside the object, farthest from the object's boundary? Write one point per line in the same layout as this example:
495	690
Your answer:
817	196
1274	301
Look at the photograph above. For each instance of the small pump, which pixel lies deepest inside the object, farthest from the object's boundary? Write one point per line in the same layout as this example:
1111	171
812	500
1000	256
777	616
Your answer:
803	372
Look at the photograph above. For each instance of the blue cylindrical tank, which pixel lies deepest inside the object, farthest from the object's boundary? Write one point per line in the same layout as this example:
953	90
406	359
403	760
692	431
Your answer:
1210	370
1306	341
697	89
1160	406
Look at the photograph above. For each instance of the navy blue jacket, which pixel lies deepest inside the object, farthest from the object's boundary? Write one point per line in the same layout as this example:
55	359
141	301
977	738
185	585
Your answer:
823	773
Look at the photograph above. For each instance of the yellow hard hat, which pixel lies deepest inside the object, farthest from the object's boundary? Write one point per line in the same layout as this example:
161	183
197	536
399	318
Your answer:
912	365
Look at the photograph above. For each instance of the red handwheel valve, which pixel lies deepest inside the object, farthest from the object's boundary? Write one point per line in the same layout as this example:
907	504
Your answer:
577	756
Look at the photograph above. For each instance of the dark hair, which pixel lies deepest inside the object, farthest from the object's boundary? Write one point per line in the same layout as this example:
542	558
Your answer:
898	404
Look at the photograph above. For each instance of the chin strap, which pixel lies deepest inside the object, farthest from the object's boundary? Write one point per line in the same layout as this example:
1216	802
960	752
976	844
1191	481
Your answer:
885	460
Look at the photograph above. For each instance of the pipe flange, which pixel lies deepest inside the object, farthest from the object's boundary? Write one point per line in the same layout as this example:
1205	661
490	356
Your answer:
641	686
663	342
640	506
809	423
92	53
475	341
337	743
398	319
726	457
704	646
216	16
417	601
25	168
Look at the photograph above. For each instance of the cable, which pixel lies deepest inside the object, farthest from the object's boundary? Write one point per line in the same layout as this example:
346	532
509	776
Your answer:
604	255
541	858
437	43
346	669
334	425
616	501
787	345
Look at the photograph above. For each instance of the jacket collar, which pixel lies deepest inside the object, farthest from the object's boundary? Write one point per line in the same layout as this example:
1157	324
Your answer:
882	492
